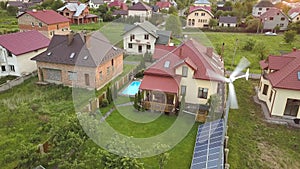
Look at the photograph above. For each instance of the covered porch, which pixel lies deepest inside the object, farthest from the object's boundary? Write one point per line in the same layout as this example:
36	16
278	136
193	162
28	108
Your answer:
160	93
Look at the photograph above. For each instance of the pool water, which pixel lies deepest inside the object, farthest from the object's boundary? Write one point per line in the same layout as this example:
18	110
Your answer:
132	89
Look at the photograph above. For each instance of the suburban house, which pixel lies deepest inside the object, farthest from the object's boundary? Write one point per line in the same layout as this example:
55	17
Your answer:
198	17
141	38
228	21
182	71
165	5
95	3
118	5
121	13
202	3
274	17
140	9
47	22
294	14
261	7
16	49
279	85
77	13
80	60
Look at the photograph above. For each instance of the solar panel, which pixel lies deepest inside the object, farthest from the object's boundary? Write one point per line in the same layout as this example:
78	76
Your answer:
208	150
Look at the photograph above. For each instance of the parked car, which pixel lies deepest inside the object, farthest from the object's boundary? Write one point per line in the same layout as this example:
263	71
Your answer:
270	34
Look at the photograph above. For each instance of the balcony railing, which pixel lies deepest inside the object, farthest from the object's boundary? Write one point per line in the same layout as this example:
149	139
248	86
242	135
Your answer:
158	106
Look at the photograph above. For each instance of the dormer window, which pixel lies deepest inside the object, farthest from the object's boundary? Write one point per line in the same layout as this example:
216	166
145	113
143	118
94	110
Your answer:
72	55
32	24
167	64
184	71
86	57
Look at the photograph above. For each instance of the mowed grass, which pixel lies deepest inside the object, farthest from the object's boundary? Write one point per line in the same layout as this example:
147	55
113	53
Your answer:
275	45
254	143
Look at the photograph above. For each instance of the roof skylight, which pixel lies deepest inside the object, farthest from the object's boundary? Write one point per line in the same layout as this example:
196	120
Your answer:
72	55
86	57
49	53
167	64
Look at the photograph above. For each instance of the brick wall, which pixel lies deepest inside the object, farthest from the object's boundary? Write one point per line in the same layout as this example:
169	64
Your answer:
25	24
95	81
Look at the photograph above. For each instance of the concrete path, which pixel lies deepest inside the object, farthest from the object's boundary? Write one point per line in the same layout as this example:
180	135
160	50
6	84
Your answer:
125	104
274	120
107	114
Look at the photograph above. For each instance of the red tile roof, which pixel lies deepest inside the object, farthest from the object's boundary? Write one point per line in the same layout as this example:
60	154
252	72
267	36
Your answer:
296	9
24	42
271	13
287	67
162	50
47	16
140	7
163	5
158	83
195	8
118	4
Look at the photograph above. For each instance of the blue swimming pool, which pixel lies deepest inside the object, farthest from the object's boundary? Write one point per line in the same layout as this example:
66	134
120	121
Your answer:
132	89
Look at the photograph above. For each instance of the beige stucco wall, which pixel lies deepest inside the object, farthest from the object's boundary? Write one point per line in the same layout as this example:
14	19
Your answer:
192	86
278	101
200	21
139	40
296	19
25	65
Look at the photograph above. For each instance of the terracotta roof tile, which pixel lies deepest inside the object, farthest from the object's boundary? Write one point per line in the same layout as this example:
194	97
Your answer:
24	42
47	16
140	6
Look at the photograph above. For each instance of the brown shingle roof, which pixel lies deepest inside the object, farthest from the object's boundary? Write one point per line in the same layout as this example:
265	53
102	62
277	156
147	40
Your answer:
60	50
140	6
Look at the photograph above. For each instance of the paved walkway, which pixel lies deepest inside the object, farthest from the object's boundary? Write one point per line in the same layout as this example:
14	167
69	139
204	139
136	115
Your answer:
272	119
107	114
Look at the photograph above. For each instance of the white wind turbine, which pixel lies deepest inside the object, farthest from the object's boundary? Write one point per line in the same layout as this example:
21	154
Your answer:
233	76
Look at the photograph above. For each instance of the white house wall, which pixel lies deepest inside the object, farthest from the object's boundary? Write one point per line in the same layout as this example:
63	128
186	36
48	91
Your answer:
256	12
142	14
139	35
192	86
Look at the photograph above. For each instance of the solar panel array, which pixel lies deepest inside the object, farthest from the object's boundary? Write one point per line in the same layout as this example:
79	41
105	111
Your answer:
208	150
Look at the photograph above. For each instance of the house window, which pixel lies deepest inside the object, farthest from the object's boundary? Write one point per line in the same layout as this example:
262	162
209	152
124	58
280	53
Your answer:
57	27
87	79
259	13
267	9
132	37
12	68
259	9
202	92
148	47
265	89
183	90
112	62
40	24
271	18
190	22
292	107
107	70
196	14
146	36
9	54
281	25
3	68
72	75
271	95
199	20
32	24
130	45
282	18
184	71
101	75
67	14
193	22
202	14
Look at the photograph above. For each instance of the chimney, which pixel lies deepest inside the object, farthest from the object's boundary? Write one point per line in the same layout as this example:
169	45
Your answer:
180	52
209	51
87	39
70	37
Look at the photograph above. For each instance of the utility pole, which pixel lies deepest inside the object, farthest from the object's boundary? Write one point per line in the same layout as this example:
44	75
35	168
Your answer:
236	44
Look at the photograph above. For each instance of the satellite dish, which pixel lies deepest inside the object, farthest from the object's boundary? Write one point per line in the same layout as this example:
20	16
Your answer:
233	76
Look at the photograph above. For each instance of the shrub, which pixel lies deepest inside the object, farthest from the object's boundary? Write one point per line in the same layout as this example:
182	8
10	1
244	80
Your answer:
289	36
104	103
250	43
140	74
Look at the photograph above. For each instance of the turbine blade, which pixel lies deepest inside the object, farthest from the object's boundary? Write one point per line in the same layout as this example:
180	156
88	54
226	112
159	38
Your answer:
247	74
214	76
240	67
232	97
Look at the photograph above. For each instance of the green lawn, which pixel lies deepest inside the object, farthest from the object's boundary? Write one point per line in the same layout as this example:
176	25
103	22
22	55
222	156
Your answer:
254	143
274	45
8	23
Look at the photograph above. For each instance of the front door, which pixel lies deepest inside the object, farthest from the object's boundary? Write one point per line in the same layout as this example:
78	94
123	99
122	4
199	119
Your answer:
87	79
140	48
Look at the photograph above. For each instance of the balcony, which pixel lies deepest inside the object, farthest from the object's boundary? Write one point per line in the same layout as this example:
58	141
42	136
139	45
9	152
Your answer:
156	106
